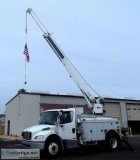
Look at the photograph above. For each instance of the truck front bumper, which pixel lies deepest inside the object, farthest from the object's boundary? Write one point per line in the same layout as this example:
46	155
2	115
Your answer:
33	144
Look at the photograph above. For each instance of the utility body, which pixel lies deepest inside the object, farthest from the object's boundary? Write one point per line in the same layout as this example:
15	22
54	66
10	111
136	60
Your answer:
69	128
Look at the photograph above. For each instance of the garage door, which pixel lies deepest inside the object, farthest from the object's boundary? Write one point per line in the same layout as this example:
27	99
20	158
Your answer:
112	110
133	112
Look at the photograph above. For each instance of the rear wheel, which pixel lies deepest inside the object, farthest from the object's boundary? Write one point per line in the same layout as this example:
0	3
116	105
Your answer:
113	141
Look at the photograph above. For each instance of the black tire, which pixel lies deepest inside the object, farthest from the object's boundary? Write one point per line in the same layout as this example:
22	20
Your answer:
53	148
113	141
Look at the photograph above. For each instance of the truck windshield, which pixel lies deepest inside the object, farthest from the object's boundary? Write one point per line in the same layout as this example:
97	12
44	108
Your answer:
49	117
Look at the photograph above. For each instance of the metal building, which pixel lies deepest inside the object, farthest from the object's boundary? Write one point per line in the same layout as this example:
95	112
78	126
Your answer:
24	110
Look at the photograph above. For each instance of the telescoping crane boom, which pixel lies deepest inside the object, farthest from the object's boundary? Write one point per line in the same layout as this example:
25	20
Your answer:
95	104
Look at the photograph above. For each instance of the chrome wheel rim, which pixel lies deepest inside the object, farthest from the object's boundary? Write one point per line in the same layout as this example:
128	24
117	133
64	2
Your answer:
113	142
53	148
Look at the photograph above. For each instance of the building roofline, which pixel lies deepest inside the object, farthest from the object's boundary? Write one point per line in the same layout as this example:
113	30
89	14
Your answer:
122	99
72	95
12	99
45	94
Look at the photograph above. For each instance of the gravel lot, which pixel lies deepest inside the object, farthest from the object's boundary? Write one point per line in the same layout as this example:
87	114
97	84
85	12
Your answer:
99	152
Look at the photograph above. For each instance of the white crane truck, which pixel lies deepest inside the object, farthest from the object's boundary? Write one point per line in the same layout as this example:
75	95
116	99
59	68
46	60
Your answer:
69	128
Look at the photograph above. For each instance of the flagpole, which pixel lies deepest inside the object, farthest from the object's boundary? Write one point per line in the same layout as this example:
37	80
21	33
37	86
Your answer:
25	43
25	72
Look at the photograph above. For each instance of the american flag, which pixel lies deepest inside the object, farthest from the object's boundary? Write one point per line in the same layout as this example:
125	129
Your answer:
26	53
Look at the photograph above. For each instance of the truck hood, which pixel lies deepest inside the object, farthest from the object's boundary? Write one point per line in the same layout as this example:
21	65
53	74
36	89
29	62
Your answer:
37	128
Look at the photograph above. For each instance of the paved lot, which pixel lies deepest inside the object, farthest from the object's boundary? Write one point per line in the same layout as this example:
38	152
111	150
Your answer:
95	152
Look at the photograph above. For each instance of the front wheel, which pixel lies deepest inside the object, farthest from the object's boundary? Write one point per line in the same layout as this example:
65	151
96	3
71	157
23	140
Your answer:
53	148
113	141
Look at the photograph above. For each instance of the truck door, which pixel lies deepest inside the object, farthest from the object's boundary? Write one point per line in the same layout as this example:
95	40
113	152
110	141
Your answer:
67	127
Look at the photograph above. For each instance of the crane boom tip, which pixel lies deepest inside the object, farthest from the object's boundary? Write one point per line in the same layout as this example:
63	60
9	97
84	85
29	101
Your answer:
29	10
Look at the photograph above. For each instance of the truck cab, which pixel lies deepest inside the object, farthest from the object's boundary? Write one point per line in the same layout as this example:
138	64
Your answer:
54	124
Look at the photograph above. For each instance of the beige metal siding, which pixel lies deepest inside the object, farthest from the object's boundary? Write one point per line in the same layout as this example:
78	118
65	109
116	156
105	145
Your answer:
23	111
62	100
133	112
112	110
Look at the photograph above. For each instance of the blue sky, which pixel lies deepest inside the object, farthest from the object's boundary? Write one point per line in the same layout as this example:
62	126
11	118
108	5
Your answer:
100	37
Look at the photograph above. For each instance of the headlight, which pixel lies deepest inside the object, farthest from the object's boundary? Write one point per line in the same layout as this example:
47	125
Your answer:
39	137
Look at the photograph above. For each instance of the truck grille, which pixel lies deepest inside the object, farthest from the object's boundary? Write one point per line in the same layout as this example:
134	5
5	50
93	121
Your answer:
26	135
